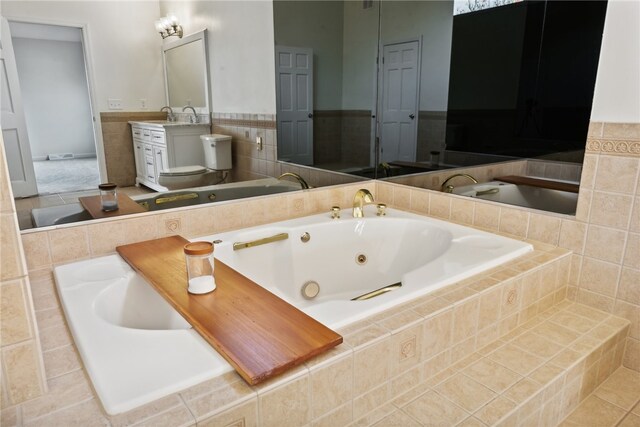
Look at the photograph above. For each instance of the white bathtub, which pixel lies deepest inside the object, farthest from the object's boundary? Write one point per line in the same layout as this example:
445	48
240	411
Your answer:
424	254
136	348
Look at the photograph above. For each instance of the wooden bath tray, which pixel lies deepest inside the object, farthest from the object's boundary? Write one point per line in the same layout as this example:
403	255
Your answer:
542	183
126	206
259	334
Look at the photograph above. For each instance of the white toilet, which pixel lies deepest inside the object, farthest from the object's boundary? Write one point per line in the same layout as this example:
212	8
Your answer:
217	157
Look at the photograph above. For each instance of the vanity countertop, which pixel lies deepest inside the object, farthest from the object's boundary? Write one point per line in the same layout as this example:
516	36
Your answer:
165	123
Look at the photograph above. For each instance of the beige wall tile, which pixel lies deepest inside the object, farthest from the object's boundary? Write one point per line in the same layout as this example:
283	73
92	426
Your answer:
140	229
584	205
634	225
599	276
14	315
617	174
491	413
621	130
437	334
370	401
465	392
371	367
632	251
605	244
589	166
486	216
104	237
465	320
492	375
629	287
514	221
87	413
11	266
572	235
420	201
331	386
489	311
36	250
63	391
632	354
516	359
611	210
462	211
595	411
339	417
402	197
406	350
61	361
544	228
440	206
431	408
23	378
511	297
631	312
69	244
288	403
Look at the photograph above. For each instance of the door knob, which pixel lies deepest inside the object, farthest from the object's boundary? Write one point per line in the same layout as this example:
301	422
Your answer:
412	116
310	116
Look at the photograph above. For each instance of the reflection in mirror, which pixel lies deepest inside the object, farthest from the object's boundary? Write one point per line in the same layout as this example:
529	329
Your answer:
520	89
186	72
324	110
459	84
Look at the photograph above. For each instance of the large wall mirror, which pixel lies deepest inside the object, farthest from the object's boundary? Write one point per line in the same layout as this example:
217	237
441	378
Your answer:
400	88
186	72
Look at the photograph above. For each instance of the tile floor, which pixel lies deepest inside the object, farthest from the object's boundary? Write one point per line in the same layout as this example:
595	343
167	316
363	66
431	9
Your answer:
24	206
616	402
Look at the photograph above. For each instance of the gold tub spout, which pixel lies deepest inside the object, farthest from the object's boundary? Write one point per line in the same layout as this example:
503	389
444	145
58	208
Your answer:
362	197
301	180
448	188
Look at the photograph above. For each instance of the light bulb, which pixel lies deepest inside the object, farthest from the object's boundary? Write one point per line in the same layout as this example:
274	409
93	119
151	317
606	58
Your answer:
166	23
173	19
159	26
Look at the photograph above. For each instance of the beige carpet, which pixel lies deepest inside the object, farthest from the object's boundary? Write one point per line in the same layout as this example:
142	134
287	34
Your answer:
62	176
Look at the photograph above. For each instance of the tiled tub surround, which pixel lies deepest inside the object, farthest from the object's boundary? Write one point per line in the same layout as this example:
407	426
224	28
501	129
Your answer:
507	337
603	207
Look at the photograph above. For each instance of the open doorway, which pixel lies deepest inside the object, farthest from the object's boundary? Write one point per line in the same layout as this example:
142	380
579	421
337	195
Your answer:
52	73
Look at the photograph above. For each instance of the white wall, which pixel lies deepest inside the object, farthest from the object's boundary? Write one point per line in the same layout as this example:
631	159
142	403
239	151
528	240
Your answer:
617	91
125	49
433	20
55	96
317	25
241	51
360	49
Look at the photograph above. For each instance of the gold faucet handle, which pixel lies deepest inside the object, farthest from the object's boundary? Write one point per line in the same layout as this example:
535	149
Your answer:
382	209
335	212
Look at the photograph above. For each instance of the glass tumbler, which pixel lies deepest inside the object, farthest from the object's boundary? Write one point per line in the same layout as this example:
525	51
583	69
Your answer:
199	257
108	197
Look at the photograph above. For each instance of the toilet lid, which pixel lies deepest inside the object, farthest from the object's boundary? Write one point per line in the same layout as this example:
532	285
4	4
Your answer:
183	171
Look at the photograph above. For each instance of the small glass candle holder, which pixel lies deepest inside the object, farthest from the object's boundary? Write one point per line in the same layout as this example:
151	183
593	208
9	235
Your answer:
108	197
434	158
199	256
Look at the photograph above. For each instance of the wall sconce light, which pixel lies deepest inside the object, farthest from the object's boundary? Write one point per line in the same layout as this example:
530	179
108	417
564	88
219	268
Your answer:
169	26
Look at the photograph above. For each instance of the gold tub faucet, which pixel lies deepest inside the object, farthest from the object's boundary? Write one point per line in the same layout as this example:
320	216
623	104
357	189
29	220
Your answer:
297	177
362	197
448	188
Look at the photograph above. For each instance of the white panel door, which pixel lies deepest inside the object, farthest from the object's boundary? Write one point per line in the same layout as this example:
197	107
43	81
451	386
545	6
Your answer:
294	104
399	101
14	126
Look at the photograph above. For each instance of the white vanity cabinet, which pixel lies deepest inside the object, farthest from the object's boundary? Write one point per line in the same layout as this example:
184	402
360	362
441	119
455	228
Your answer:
161	145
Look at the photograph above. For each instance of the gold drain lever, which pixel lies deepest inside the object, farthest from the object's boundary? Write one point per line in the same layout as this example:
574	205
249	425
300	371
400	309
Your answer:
243	245
377	292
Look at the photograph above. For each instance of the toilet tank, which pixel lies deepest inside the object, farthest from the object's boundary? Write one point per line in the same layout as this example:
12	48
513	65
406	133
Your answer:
217	151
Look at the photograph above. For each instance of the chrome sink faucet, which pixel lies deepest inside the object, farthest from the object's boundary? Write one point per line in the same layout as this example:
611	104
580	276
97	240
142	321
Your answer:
170	116
194	117
448	188
362	197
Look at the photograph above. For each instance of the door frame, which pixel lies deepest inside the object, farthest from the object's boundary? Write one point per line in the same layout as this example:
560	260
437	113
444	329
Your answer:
381	86
88	63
